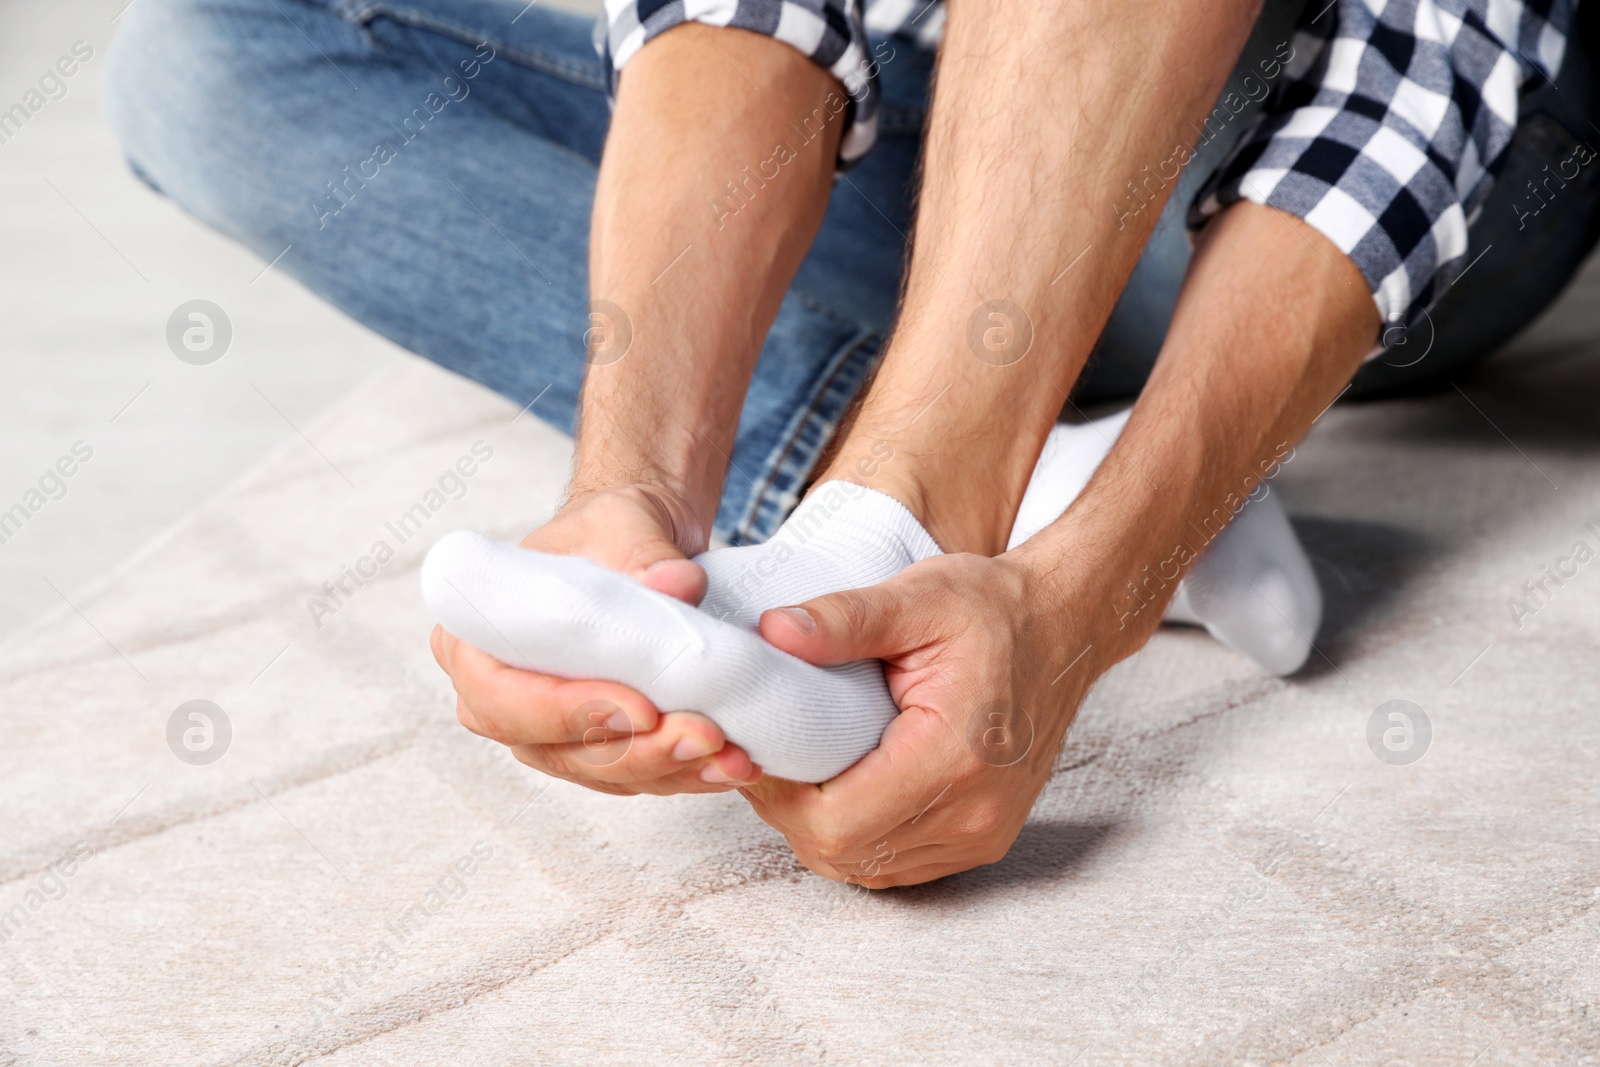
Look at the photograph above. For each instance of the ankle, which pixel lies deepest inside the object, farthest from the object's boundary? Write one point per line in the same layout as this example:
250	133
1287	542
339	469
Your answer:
961	516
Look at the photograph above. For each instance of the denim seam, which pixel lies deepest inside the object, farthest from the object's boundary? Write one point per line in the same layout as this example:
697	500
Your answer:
813	304
544	63
792	461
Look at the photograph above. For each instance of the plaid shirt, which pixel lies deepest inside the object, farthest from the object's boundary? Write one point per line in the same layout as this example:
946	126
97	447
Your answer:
1385	133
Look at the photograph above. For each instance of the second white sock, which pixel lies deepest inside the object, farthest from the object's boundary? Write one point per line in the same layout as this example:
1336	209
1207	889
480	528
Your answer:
1252	588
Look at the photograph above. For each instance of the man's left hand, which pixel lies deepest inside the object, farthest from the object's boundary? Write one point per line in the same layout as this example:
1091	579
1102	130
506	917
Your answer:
987	669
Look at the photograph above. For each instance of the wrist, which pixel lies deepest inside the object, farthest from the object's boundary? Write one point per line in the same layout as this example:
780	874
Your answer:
1092	586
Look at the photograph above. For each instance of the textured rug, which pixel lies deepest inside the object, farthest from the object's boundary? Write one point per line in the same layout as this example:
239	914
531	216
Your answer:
319	865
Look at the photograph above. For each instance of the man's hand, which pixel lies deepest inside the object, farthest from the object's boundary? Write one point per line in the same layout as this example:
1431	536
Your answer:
983	654
600	734
976	652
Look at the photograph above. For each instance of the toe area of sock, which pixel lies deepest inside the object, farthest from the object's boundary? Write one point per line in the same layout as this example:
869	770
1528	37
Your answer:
456	585
1274	624
449	571
1255	590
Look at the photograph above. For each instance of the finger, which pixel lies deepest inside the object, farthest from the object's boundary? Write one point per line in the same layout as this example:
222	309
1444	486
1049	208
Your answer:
680	579
915	876
639	533
651	556
690	780
517	707
781	803
877	622
956	854
653	561
686	743
436	642
915	765
723	772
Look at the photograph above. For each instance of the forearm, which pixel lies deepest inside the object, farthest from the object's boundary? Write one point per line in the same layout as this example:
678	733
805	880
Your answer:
1272	322
1039	121
695	239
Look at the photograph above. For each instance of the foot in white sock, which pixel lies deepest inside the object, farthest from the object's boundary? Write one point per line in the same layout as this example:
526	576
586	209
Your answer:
566	616
1253	588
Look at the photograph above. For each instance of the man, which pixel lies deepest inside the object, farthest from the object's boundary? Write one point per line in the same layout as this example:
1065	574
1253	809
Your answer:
432	165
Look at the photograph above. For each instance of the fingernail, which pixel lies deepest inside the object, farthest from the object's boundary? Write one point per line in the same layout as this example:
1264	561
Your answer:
619	721
691	748
714	775
800	617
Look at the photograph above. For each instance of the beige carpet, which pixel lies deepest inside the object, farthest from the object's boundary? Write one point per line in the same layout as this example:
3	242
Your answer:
1221	871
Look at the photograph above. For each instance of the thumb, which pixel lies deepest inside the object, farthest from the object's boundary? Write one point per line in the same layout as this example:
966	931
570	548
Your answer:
661	565
872	623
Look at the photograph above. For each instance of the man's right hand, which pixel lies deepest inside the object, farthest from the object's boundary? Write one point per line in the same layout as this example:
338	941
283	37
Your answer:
595	733
700	289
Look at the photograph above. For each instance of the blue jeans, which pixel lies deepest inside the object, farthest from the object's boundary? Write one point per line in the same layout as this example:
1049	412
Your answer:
429	165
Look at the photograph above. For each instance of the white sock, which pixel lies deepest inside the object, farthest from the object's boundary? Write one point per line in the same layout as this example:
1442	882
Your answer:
566	616
1253	587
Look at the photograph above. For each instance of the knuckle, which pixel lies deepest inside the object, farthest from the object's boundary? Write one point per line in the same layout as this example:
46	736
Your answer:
832	847
468	718
817	866
550	759
853	612
531	756
984	819
489	727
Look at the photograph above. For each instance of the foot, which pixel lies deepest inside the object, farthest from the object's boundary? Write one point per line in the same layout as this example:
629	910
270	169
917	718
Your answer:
566	616
1253	589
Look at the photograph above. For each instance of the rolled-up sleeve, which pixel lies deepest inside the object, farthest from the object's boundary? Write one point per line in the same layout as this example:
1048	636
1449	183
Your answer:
1389	129
829	32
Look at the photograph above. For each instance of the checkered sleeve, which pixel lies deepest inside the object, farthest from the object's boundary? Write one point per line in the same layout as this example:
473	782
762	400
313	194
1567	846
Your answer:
830	32
1388	129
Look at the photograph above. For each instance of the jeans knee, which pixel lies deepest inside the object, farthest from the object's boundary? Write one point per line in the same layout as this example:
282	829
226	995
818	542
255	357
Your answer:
185	86
156	91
